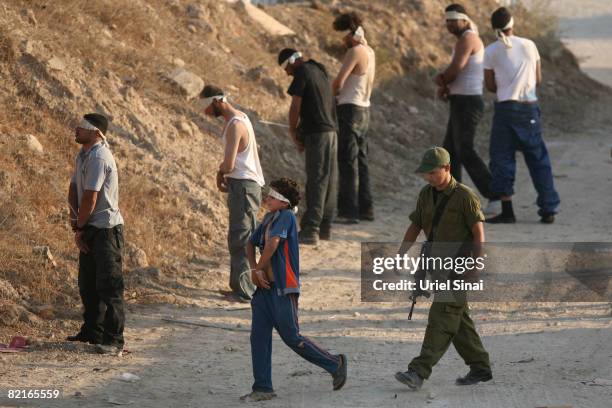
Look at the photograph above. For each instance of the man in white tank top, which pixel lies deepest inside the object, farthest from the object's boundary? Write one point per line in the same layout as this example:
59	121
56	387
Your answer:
353	88
461	84
240	176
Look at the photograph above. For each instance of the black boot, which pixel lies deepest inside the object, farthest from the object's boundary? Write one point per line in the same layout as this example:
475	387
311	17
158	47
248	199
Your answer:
506	217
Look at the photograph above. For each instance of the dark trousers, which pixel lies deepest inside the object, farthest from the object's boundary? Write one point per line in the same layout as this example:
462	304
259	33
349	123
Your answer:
101	285
321	151
450	322
243	200
466	111
269	310
354	191
517	127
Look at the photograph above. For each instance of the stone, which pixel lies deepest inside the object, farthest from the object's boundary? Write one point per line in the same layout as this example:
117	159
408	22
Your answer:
184	129
45	253
195	11
30	16
33	144
148	273
8	292
26	47
254	74
187	82
136	256
178	62
9	314
413	110
56	64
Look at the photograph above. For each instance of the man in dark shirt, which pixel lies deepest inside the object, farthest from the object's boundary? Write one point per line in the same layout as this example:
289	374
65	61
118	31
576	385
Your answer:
312	126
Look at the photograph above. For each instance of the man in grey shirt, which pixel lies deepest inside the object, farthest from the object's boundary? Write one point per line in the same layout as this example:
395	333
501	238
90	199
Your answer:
98	228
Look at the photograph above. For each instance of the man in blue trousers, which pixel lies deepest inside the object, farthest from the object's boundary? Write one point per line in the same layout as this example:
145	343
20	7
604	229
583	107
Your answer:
513	71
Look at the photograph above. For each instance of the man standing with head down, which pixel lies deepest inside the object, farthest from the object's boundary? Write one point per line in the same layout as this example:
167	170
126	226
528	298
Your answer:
98	233
513	71
353	88
312	127
240	176
461	84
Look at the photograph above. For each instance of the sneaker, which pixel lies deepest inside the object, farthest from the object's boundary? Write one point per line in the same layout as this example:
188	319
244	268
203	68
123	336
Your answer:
410	378
501	219
346	220
340	375
547	218
109	349
258	396
493	207
474	377
308	239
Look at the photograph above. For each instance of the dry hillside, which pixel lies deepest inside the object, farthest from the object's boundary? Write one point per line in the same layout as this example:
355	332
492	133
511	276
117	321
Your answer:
60	59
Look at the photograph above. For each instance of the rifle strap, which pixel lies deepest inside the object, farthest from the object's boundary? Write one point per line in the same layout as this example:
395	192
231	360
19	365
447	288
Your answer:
438	214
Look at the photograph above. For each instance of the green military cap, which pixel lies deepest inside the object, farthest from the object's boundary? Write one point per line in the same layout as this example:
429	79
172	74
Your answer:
433	157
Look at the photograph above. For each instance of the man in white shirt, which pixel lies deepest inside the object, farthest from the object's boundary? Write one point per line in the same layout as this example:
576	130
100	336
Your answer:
513	71
240	176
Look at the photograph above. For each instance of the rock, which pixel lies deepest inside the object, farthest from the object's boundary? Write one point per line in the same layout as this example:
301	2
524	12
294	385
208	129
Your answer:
45	253
8	292
26	47
44	311
178	62
9	314
356	314
129	377
267	22
272	87
29	318
195	11
184	128
149	38
229	349
202	25
30	16
136	256
413	110
33	144
187	82
56	64
148	273
254	74
192	28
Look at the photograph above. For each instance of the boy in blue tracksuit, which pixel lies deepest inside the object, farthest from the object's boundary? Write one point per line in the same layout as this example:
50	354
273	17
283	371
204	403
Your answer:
275	302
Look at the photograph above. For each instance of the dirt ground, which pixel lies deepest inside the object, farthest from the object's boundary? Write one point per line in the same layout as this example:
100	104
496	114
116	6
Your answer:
543	354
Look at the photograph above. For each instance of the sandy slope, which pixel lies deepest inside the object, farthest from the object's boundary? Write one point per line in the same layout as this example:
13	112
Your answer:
562	345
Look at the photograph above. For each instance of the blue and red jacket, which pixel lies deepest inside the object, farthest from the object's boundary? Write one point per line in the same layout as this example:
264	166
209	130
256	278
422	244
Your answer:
286	259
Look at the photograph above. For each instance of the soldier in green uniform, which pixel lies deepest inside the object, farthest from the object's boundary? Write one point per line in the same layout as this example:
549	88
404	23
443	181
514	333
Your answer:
459	224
